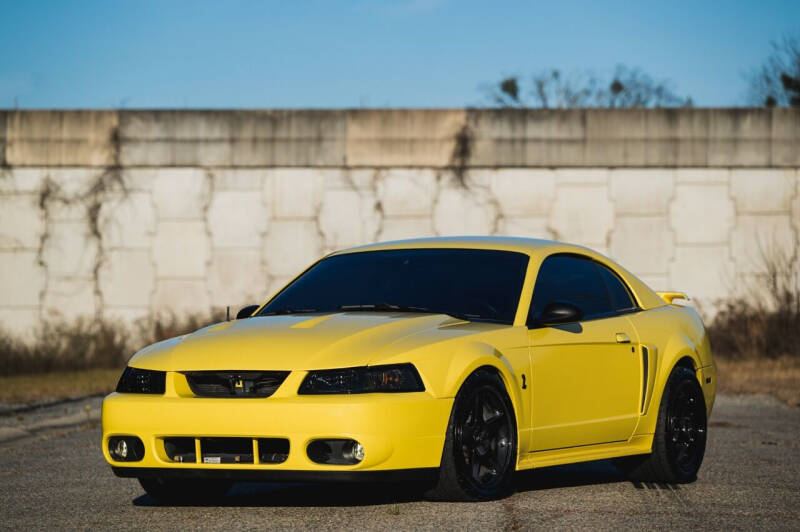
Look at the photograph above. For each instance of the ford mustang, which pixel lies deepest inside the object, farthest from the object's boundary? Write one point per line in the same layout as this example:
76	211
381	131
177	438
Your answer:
447	362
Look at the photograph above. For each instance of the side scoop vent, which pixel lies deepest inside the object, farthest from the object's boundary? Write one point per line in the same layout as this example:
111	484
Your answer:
234	384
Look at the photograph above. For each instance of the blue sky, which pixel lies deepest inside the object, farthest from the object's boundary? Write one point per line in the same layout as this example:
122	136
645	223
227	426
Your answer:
399	53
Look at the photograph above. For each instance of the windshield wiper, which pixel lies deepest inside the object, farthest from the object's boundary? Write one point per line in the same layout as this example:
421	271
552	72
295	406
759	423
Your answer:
282	311
388	307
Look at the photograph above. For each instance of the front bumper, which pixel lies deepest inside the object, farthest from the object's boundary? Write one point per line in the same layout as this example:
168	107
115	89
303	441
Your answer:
398	432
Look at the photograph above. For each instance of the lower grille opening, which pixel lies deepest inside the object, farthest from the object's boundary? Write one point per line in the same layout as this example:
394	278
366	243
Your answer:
180	449
226	450
273	450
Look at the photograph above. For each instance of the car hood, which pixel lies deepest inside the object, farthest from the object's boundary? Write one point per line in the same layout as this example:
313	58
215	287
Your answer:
303	342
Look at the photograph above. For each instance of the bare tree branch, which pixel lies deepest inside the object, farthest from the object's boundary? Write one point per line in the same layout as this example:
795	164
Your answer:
553	89
777	81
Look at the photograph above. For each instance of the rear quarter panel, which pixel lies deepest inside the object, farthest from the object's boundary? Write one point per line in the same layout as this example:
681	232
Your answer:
673	333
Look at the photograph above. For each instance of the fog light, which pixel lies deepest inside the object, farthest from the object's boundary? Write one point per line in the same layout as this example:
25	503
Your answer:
357	452
125	448
335	452
121	449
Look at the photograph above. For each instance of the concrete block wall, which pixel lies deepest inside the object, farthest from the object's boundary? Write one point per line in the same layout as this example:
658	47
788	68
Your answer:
125	214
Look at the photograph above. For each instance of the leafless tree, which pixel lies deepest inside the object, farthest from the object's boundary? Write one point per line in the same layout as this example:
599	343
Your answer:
777	81
631	87
552	89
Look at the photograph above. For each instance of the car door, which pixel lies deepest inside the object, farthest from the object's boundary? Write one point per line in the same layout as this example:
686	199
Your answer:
586	374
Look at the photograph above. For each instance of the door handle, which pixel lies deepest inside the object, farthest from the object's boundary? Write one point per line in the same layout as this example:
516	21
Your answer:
623	338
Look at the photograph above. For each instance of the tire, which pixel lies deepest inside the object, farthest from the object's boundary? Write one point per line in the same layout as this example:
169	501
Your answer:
480	449
183	492
680	439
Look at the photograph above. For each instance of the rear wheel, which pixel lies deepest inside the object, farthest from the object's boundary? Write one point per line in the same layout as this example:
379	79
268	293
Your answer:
185	491
680	439
480	449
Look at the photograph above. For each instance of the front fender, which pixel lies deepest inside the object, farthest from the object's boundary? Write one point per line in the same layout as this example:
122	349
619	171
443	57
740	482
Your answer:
445	375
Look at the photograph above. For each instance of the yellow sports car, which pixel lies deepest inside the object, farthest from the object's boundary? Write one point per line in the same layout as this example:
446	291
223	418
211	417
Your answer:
452	362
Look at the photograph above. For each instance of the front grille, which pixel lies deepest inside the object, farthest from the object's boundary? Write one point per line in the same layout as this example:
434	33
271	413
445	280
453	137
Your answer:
235	383
215	450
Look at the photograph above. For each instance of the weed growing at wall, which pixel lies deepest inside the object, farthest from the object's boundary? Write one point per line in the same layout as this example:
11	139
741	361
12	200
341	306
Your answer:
765	324
84	343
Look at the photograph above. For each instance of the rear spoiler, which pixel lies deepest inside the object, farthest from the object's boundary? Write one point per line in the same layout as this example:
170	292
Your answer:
670	296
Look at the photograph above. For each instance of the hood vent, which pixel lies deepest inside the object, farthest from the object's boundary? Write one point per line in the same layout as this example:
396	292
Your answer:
235	384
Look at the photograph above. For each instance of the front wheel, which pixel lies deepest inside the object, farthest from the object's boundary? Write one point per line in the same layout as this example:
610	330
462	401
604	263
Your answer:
480	449
680	439
182	492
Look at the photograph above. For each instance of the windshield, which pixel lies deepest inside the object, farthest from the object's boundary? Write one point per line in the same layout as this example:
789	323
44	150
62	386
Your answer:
476	284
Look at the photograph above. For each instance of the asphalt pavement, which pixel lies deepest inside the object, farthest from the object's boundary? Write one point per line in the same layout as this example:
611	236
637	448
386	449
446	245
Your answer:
53	476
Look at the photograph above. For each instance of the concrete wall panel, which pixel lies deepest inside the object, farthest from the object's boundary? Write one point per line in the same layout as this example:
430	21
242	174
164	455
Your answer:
762	240
62	138
642	191
181	297
236	278
181	193
523	192
22	279
237	219
232	138
706	273
402	137
127	278
290	246
643	244
462	211
21	222
407	192
70	250
181	249
702	214
393	228
128	221
70	298
763	191
582	214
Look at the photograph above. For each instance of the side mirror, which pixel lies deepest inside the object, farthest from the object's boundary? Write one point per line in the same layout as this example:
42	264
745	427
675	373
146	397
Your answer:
246	312
560	312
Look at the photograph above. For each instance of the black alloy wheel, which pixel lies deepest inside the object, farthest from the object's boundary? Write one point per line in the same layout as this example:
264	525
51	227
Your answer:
480	451
686	428
679	442
483	439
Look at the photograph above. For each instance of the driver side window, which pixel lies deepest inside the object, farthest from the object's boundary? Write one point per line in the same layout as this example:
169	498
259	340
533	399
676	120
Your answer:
574	280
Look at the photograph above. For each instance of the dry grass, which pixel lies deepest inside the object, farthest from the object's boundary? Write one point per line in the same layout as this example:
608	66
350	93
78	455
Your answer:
763	323
62	385
777	377
61	345
756	337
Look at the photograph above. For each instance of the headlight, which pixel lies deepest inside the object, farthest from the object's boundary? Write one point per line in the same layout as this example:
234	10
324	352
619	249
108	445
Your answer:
135	380
368	379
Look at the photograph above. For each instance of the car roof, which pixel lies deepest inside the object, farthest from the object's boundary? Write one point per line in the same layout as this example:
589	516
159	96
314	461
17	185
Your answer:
529	246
